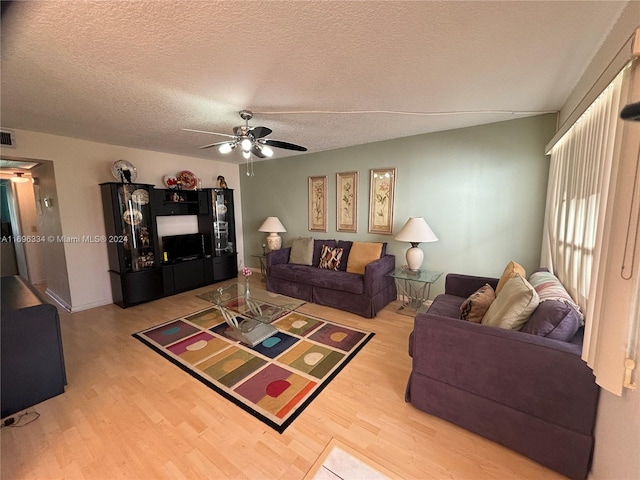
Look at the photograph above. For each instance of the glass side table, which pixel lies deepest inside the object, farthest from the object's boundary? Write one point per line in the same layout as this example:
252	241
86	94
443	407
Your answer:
263	265
414	286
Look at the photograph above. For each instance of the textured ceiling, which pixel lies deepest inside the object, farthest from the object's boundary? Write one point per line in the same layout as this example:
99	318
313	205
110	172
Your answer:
135	73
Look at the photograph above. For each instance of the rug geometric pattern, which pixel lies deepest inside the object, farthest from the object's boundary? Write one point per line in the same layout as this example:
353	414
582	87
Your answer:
275	380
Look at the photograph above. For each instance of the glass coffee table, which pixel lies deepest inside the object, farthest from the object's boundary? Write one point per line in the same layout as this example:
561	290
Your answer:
249	314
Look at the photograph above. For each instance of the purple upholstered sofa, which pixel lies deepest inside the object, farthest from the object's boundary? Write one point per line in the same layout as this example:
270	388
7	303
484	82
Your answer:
527	392
364	295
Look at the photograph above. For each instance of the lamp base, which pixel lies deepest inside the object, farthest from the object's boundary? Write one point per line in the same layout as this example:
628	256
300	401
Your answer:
414	256
274	241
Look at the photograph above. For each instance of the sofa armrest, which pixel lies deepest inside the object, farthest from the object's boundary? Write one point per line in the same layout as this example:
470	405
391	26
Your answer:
375	278
543	377
276	257
464	285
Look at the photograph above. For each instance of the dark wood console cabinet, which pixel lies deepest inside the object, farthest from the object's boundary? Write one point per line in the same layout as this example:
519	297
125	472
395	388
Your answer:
32	361
137	264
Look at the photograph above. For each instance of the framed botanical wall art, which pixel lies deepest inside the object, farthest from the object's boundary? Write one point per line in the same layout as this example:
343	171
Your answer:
318	204
381	200
347	202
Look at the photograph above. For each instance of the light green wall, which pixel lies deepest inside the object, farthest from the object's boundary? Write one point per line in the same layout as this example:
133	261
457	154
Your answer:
481	189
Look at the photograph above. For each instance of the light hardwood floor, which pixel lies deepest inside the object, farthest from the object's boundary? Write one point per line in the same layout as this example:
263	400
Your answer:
127	413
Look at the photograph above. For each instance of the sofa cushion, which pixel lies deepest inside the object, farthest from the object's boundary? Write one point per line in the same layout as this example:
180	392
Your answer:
336	280
477	304
446	305
549	287
553	319
291	272
345	245
301	251
317	277
516	302
317	250
361	255
330	258
510	270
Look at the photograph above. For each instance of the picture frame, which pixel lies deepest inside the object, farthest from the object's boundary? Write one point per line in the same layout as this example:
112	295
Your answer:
381	200
318	204
347	202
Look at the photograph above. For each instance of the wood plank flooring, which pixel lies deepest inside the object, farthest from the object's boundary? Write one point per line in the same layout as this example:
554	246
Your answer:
127	413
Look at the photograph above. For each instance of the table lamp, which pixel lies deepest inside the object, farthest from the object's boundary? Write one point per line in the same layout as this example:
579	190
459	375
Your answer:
273	226
415	231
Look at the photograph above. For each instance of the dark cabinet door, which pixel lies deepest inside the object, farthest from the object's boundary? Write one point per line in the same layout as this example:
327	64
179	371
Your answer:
133	288
188	275
130	226
224	227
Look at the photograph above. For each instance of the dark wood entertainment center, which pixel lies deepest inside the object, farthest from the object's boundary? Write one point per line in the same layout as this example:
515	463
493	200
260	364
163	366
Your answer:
139	268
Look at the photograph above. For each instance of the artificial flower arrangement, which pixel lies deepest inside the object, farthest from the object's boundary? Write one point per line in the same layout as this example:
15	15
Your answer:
246	272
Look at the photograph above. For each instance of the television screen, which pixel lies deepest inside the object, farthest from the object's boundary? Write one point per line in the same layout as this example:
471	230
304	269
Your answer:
183	247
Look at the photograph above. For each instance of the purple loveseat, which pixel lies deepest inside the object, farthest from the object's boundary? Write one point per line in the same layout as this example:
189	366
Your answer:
529	393
364	295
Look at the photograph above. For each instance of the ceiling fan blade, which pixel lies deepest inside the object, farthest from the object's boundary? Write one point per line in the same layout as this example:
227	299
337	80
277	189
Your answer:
256	151
213	145
208	133
286	145
260	132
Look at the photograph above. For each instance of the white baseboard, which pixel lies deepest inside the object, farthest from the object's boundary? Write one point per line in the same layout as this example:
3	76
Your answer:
58	300
77	308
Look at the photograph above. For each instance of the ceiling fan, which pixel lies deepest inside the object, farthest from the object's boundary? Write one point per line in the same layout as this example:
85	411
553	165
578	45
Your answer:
250	139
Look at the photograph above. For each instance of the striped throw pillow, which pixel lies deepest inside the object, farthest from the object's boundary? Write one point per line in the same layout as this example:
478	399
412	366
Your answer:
330	258
549	287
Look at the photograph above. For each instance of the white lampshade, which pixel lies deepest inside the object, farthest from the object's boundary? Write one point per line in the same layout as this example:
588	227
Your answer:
273	225
416	231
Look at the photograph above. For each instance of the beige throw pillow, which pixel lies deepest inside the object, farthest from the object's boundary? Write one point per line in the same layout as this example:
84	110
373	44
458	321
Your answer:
361	255
301	251
512	308
474	307
510	270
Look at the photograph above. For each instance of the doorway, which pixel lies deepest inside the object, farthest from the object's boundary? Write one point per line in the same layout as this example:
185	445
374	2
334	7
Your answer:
8	259
25	215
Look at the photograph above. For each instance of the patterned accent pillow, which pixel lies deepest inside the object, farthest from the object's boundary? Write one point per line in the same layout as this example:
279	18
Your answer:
549	287
330	258
474	307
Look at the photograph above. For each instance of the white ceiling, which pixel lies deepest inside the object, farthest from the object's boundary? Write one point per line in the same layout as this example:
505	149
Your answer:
135	73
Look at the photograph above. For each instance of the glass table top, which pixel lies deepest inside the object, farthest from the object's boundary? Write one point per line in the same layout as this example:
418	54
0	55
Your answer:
424	276
260	305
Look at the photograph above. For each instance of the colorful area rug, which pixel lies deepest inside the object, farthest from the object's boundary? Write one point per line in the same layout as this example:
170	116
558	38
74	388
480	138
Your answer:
275	380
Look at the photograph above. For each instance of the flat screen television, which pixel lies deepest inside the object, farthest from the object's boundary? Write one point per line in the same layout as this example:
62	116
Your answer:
179	248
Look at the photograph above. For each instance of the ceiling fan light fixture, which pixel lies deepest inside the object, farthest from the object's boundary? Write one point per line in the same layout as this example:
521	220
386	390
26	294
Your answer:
267	151
246	145
252	140
225	148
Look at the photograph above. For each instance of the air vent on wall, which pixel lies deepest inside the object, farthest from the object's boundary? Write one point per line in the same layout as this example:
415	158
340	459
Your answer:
7	138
